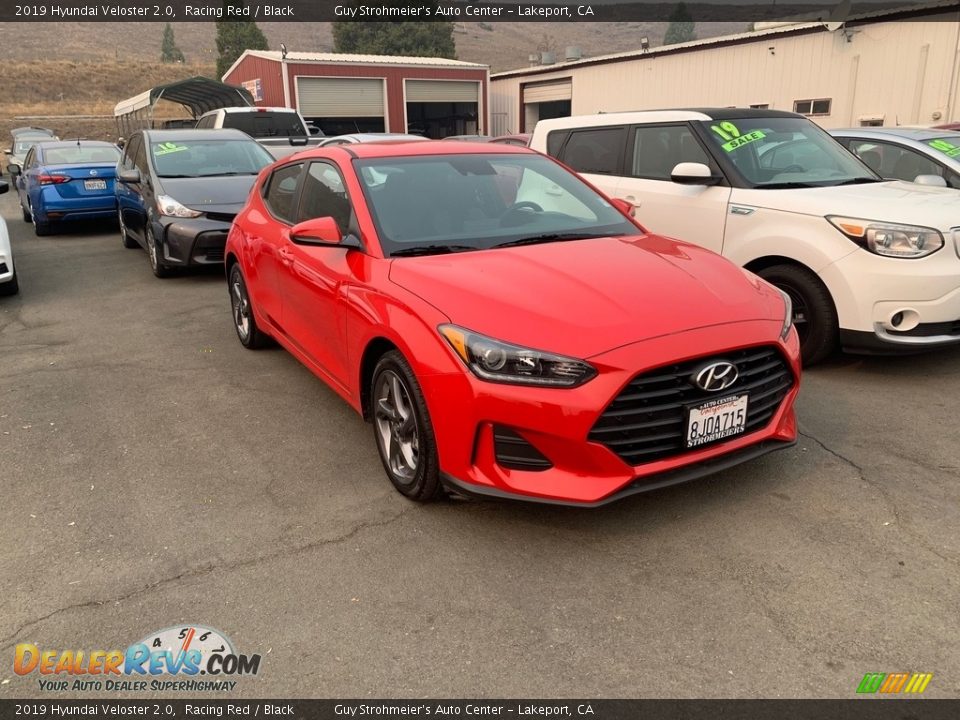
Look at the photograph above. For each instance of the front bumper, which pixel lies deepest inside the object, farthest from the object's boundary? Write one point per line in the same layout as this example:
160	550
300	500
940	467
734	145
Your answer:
557	423
893	305
6	268
192	241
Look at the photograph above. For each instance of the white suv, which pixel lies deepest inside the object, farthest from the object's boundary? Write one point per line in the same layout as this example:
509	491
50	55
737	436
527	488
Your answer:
8	273
869	264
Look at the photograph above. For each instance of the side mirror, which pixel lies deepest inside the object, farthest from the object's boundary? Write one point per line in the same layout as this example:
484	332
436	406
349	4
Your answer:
930	180
321	232
130	177
13	169
624	206
4	186
688	173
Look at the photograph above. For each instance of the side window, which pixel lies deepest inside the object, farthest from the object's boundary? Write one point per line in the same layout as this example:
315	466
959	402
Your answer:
140	159
207	122
555	141
130	152
281	191
657	149
895	161
597	150
325	195
28	160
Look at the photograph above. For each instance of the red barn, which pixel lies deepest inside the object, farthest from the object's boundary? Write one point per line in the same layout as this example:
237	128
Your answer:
345	93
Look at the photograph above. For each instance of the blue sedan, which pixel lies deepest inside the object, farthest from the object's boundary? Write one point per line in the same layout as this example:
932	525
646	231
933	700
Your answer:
66	181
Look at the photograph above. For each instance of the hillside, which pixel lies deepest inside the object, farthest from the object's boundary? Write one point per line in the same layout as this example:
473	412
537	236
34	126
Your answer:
90	66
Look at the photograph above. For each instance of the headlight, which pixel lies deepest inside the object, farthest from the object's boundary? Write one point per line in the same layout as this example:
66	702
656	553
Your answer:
889	239
170	207
502	362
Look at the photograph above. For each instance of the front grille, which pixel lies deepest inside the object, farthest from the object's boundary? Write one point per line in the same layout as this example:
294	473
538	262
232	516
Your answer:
222	217
515	453
646	421
214	254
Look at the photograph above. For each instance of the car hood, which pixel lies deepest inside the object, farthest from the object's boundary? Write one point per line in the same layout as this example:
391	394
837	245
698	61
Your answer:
585	297
225	194
895	201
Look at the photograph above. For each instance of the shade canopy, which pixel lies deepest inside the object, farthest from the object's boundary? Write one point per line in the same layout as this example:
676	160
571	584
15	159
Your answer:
197	94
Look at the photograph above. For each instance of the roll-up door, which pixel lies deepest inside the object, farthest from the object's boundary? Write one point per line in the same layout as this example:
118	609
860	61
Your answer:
340	97
451	91
548	91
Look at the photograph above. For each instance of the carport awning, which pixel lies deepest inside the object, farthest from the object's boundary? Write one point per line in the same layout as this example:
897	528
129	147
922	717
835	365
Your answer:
198	94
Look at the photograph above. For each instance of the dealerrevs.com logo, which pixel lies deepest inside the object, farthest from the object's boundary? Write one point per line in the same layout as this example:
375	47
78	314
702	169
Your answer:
188	658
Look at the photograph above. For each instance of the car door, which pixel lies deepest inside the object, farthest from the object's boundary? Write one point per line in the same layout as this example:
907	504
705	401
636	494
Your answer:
313	277
694	213
21	181
129	197
266	237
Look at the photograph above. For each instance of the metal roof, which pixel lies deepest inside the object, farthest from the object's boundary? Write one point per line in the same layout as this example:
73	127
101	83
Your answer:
357	59
778	29
198	94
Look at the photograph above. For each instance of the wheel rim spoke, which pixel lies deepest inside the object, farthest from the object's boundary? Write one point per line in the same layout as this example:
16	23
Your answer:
396	425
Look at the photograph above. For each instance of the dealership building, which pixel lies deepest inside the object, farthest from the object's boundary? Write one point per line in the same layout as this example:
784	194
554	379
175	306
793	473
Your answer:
883	68
345	93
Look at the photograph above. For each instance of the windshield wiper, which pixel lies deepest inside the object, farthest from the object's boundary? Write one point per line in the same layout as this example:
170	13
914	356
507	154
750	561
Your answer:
228	174
785	185
177	176
858	181
431	250
554	237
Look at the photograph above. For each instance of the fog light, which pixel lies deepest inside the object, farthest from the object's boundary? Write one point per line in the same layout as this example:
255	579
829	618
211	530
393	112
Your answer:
897	319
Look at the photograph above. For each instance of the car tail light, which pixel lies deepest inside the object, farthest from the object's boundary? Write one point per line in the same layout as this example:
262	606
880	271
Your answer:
52	179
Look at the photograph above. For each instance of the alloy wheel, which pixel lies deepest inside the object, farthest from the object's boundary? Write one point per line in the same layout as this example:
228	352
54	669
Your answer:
397	430
241	309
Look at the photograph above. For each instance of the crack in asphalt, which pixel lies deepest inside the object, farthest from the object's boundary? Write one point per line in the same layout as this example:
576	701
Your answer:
884	493
9	641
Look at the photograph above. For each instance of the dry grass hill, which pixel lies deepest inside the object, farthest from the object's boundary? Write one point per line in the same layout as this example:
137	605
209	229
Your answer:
87	67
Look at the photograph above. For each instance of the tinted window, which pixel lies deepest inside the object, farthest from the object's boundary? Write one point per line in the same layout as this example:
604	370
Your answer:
265	124
130	153
325	195
555	141
595	151
140	158
281	191
657	150
481	201
208	158
894	161
207	122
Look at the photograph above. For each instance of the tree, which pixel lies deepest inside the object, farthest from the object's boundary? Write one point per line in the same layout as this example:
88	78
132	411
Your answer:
426	39
681	26
169	52
235	36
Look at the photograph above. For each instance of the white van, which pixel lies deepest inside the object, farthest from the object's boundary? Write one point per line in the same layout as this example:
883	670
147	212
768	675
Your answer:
869	264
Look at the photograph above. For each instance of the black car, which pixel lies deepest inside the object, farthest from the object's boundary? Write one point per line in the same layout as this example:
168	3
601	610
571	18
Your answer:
179	190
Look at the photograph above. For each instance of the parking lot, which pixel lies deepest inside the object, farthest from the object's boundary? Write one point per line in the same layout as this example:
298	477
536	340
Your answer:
156	473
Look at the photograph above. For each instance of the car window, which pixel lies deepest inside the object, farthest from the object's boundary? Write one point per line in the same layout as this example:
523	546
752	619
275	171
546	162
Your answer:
130	153
555	141
207	122
81	154
282	190
891	160
204	157
481	201
140	158
265	123
28	160
597	150
325	195
657	149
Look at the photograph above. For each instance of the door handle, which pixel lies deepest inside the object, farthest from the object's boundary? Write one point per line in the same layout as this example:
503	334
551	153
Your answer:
286	257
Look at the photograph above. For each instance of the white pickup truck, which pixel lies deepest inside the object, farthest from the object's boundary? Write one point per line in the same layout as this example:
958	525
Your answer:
871	265
282	131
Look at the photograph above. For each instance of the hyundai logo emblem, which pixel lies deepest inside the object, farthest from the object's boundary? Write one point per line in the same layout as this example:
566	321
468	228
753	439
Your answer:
716	376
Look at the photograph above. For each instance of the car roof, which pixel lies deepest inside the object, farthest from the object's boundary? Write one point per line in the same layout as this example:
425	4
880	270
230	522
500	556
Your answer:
372	137
195	134
427	147
74	143
251	108
900	132
666	115
32	131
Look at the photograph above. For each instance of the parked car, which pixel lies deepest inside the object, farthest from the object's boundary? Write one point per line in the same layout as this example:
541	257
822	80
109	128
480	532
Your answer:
469	138
179	190
869	265
25	138
9	285
521	139
508	330
281	130
931	157
66	181
369	137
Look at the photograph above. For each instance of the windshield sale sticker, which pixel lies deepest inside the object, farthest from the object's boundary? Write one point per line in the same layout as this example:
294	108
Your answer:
167	148
946	147
729	132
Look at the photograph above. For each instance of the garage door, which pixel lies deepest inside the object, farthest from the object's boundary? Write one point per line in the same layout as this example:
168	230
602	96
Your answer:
340	97
453	91
548	91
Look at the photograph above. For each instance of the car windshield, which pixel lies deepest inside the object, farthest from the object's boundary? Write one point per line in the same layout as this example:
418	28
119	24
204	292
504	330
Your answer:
778	152
79	154
949	146
457	202
208	158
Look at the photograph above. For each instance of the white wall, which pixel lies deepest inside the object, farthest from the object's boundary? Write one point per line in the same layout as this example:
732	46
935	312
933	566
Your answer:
901	70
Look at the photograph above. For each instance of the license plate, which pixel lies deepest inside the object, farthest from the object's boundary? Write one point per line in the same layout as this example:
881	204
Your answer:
95	184
716	420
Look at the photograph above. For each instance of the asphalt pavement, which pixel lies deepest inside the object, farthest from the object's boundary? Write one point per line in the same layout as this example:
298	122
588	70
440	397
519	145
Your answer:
155	473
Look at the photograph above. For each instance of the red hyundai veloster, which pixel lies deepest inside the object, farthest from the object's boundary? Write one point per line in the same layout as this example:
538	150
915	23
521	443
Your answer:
507	329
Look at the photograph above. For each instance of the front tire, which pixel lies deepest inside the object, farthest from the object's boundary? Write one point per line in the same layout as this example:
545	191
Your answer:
814	314
153	252
27	217
250	336
11	287
128	242
403	431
